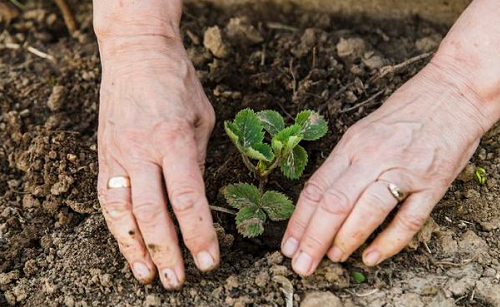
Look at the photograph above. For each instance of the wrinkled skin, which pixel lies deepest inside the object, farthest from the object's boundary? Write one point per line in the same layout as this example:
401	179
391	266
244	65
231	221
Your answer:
155	122
154	126
419	140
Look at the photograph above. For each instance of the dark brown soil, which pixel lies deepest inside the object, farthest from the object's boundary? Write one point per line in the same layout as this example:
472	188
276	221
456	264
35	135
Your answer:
55	249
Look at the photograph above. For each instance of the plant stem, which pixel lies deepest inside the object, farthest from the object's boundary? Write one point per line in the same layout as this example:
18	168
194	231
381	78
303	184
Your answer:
18	4
249	164
262	184
275	164
221	209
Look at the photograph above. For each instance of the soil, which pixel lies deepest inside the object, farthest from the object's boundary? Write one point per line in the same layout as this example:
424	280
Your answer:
55	249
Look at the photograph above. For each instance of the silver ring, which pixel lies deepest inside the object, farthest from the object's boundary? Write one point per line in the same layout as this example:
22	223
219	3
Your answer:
395	191
118	182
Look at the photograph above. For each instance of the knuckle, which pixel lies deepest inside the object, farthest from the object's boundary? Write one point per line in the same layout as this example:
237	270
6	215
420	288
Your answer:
147	213
336	202
199	240
411	222
297	227
184	199
352	133
115	208
313	244
312	192
376	202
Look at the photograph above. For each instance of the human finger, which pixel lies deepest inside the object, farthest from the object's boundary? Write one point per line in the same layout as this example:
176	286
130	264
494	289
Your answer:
150	210
186	192
309	199
117	210
369	212
406	223
333	209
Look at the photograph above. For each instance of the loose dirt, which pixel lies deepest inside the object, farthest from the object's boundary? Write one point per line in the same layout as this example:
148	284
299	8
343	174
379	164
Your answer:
55	249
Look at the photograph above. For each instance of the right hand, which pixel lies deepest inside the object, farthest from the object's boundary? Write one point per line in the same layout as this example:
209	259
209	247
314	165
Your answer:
154	125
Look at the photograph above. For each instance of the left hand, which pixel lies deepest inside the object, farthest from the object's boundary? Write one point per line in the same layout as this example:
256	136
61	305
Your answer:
419	140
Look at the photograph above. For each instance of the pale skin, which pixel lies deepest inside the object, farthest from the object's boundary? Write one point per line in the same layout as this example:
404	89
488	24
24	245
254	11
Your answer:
155	121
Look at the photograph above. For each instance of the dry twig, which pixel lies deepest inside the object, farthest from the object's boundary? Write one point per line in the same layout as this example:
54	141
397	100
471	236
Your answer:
365	102
384	71
41	54
30	49
221	209
69	19
280	26
362	294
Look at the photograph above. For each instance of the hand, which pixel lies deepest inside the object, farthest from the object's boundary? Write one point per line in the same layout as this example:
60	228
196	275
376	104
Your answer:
154	125
419	140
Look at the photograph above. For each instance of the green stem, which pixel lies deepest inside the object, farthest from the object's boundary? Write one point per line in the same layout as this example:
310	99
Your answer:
249	164
17	4
275	164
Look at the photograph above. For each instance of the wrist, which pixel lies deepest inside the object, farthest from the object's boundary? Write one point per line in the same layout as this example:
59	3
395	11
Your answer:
131	26
481	97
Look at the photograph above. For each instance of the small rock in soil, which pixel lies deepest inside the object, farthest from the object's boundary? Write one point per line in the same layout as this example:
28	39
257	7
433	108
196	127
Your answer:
488	290
468	173
212	40
409	300
55	101
373	61
275	258
429	43
321	299
7	278
240	29
152	300
350	48
448	245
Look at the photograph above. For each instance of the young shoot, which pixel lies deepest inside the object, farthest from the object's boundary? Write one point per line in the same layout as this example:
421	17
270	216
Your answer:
248	133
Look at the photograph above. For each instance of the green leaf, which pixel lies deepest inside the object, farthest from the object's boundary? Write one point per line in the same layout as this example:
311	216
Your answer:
358	277
314	126
272	121
251	228
276	145
232	131
277	206
288	137
293	164
250	128
241	195
260	151
250	221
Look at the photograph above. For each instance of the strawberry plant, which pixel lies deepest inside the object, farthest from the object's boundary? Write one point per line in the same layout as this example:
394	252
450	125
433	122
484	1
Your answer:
248	132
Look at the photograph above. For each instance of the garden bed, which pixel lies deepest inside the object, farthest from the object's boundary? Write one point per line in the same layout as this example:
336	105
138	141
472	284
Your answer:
55	249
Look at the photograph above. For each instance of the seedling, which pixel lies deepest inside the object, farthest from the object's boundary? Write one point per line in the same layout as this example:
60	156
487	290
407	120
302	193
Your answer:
248	133
480	175
358	277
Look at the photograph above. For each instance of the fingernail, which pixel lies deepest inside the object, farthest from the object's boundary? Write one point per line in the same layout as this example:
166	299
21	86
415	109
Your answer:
205	261
171	277
141	271
372	258
290	247
302	263
336	254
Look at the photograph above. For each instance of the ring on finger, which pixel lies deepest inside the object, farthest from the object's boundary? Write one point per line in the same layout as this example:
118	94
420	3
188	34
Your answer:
395	191
118	182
